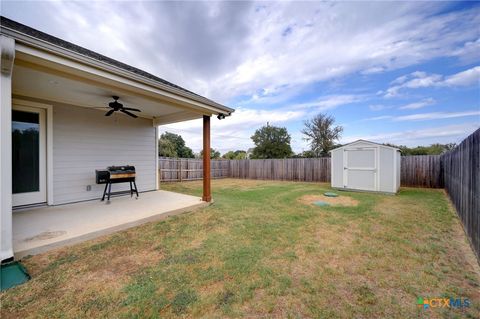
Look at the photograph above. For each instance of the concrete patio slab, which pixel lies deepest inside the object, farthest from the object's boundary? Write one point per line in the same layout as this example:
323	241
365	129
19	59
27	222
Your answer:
40	229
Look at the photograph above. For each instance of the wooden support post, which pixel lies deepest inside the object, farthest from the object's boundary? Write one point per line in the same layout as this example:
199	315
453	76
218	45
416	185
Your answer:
207	195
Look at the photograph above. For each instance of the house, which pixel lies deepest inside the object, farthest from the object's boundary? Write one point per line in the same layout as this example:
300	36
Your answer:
366	166
53	128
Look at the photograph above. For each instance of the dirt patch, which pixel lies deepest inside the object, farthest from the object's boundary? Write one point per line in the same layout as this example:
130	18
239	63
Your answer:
334	201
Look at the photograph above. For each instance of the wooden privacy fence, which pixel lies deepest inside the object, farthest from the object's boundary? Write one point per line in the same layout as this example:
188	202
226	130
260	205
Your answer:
289	169
461	168
422	171
417	171
189	169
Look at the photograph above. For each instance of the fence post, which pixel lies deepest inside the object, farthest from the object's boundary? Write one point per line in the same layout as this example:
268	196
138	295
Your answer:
180	169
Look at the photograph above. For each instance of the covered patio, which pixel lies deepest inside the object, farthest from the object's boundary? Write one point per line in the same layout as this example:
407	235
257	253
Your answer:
67	112
37	230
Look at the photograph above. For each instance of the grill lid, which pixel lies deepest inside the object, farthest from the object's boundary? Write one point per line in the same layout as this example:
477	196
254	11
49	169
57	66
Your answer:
121	169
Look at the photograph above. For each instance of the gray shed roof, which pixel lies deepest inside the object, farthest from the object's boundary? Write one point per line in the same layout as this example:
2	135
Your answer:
6	23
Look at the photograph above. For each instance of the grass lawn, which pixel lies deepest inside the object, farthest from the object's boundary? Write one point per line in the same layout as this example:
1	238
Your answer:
260	252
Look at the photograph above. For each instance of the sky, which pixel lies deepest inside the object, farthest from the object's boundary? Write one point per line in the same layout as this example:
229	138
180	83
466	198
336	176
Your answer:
406	73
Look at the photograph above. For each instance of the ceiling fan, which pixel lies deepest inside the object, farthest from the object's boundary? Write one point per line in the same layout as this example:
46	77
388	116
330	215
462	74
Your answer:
117	106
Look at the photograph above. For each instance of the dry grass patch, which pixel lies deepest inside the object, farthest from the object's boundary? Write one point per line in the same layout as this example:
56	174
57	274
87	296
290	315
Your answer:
262	251
334	201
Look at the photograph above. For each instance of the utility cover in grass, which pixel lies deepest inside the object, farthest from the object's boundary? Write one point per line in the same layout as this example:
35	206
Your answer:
13	274
320	203
330	194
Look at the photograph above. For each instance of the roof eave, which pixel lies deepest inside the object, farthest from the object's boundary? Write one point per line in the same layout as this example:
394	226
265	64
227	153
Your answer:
44	45
365	141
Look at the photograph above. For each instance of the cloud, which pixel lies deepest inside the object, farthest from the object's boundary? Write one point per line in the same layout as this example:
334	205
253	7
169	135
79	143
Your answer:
400	79
418	105
469	52
419	79
465	78
224	50
373	70
425	116
235	131
329	102
378	118
441	134
369	46
378	107
268	53
436	116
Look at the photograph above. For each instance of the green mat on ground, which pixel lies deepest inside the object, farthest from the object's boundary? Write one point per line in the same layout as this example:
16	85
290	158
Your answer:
330	194
13	274
320	203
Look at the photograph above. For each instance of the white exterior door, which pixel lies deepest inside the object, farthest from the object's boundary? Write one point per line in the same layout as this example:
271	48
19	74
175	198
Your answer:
29	178
360	168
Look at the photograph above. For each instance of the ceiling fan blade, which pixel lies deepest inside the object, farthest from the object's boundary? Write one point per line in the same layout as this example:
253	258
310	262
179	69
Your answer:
128	113
109	113
131	109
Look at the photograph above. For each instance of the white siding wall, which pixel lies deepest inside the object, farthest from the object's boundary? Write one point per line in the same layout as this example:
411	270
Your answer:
85	140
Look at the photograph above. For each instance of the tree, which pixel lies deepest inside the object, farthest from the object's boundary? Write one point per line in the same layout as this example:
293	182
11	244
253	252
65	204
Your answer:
321	134
433	149
229	155
169	140
305	154
166	148
214	154
271	142
449	146
238	154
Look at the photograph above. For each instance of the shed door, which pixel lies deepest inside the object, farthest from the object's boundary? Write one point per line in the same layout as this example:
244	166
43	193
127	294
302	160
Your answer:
360	168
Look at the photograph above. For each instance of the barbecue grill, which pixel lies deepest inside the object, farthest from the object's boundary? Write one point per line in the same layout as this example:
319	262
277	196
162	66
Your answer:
114	175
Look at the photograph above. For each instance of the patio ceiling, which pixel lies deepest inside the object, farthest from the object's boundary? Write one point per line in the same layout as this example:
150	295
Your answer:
53	69
39	82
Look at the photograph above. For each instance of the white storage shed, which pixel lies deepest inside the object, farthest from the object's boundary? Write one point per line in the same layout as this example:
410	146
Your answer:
366	166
